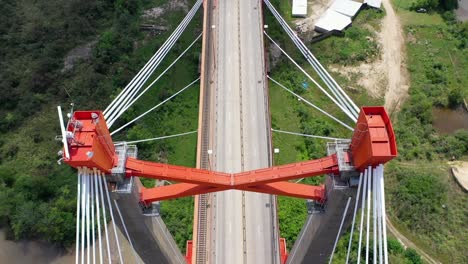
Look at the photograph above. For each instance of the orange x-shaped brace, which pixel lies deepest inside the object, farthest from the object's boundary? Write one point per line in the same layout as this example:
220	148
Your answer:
273	180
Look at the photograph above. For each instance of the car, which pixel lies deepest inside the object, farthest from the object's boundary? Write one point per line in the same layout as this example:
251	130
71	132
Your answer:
421	10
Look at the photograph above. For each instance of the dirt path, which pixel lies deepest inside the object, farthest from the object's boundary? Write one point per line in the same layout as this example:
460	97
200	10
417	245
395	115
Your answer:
392	42
407	243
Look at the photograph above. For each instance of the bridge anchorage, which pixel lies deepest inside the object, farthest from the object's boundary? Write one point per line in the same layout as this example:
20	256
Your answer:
88	146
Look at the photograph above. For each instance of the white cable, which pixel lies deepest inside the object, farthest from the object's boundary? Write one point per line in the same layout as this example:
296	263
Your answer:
374	212
146	72
93	237
307	135
339	230
356	205
83	212
311	104
126	232
158	105
157	78
78	199
384	216
324	75
100	182
98	215
351	116
305	52
379	216
159	56
363	207
369	190
143	72
156	138
113	222
87	219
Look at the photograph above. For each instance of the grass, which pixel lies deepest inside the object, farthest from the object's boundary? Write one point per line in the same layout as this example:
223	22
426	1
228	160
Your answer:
443	233
287	113
177	116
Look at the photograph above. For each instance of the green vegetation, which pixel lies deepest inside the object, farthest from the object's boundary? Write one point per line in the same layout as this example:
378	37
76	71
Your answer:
397	253
436	59
428	207
358	44
39	197
287	113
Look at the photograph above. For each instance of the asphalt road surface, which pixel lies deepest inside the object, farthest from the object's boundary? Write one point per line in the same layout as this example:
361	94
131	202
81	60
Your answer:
242	222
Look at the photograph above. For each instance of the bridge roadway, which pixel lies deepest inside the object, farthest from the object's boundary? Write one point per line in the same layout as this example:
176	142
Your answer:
242	225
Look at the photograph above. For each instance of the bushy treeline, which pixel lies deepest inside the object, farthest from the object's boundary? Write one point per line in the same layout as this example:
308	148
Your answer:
435	82
397	253
38	197
35	37
446	5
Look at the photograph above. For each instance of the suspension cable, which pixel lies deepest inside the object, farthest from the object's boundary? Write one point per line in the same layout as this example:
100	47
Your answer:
384	215
374	214
93	237
369	187
98	215
339	230
356	205
334	87
125	229
156	138
101	191
351	116
78	197
155	80
158	105
138	81
88	235
83	212
311	104
363	207
307	135
113	221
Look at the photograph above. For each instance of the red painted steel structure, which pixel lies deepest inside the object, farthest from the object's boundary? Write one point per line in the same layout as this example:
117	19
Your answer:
91	146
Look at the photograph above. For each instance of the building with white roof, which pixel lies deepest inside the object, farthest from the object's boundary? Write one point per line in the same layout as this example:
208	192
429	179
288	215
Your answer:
332	21
340	14
346	7
373	3
299	8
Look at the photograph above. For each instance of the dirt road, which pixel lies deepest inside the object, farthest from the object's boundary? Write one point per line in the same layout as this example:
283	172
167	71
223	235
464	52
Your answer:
407	243
392	42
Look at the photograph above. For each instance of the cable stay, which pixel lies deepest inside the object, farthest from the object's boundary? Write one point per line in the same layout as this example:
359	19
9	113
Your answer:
126	231
101	196
333	86
356	205
307	135
363	207
112	219
130	103
155	107
156	138
98	215
311	104
339	230
346	111
129	92
78	207
117	102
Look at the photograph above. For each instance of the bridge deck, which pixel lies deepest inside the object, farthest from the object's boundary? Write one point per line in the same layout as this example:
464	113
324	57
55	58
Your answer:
243	228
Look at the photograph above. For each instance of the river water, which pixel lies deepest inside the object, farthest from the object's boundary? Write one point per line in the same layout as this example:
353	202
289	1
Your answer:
25	252
447	121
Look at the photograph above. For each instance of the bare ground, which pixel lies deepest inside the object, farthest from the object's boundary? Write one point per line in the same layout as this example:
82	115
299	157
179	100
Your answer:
388	76
392	41
407	243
